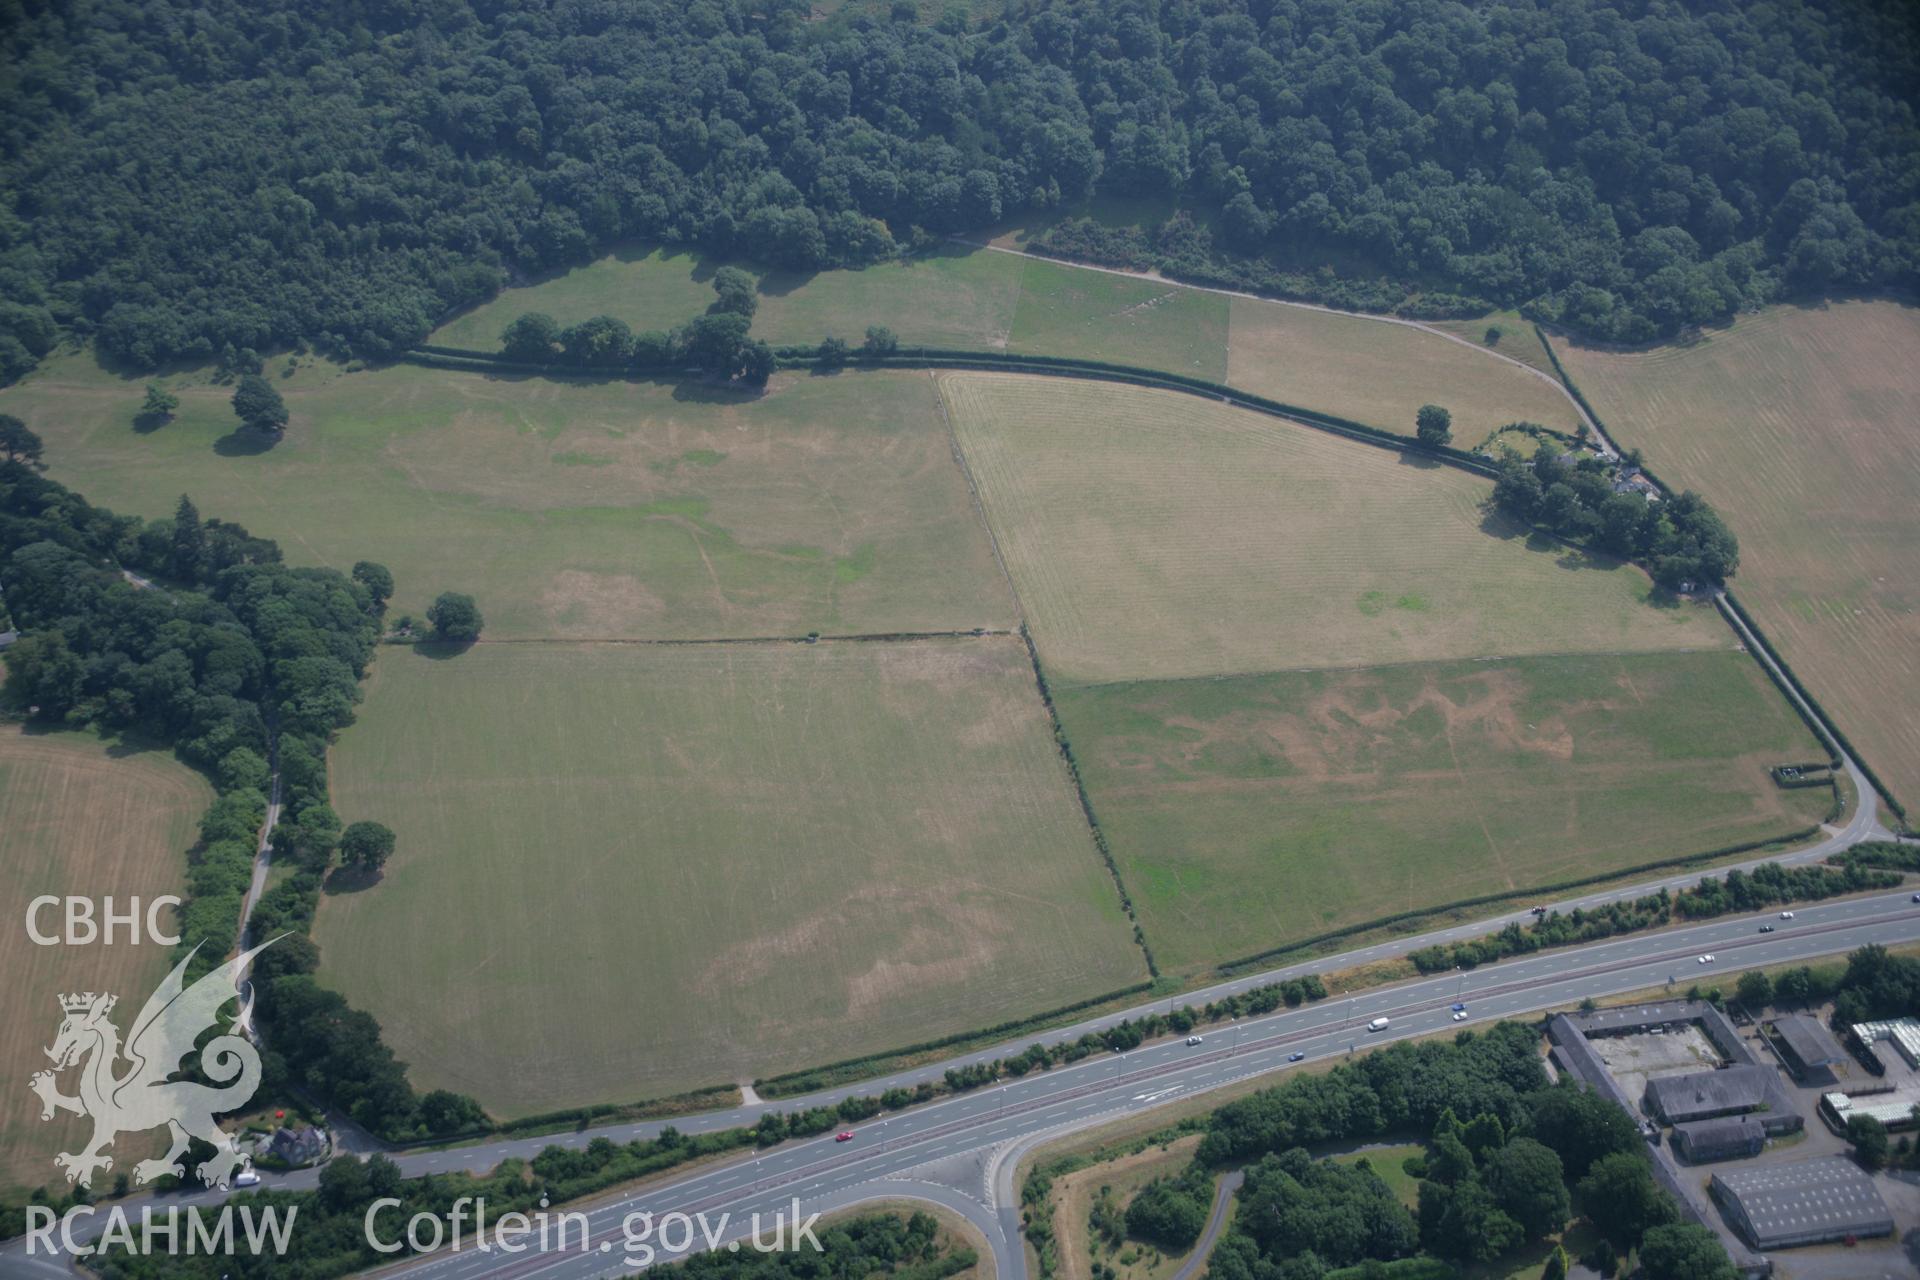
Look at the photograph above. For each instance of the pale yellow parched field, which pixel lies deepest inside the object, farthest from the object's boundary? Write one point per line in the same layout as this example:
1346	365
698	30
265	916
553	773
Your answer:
675	866
1803	426
75	818
1379	373
1152	534
570	509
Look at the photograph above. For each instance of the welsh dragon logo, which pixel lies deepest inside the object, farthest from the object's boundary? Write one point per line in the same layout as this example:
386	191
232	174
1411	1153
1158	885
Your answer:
142	1097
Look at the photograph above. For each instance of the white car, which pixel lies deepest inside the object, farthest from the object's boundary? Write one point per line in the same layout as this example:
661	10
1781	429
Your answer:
1786	915
1460	1015
1706	959
1193	1040
246	1178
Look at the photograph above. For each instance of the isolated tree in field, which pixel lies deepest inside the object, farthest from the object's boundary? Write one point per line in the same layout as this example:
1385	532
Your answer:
455	617
1754	989
158	408
366	845
880	341
531	338
1433	424
16	442
377	580
735	292
259	406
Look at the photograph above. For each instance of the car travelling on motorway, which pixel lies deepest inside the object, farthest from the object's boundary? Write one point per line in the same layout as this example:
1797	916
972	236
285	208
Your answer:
1378	1024
1295	1056
845	1135
1194	1040
1707	959
1786	915
1766	928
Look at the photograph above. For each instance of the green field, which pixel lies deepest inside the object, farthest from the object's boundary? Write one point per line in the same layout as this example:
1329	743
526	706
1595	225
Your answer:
78	817
1799	424
1373	372
1094	315
675	866
1152	534
954	297
572	509
1252	812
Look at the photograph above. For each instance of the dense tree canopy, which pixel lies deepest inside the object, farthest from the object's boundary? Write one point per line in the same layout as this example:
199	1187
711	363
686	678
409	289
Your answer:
181	175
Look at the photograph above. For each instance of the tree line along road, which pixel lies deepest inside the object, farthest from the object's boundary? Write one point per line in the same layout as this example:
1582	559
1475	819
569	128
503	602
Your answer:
961	1152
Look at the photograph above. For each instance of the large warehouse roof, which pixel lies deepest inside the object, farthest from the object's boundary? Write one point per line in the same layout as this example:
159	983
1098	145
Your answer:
1777	1206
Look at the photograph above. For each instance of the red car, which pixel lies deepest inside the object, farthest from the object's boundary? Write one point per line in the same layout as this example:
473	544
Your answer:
845	1135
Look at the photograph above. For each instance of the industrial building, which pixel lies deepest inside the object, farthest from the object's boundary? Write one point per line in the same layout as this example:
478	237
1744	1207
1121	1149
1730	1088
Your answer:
1811	1053
1730	1091
1569	1034
1727	1138
1807	1202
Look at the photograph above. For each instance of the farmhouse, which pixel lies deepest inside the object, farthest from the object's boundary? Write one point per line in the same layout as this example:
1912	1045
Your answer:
1807	1202
298	1146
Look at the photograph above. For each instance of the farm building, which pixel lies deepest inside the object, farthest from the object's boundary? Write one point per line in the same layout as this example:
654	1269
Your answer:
1728	1138
1894	1110
1809	1050
1903	1034
1808	1202
298	1146
1731	1091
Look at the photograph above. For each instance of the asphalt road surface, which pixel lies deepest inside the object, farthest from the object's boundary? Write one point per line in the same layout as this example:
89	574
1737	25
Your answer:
960	1152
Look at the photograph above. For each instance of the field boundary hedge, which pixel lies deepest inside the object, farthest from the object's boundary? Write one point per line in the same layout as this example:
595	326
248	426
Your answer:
1065	746
792	357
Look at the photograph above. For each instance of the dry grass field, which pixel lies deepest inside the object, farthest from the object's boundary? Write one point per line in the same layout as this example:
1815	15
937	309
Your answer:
1380	373
1153	534
572	509
1251	812
1803	427
77	817
677	866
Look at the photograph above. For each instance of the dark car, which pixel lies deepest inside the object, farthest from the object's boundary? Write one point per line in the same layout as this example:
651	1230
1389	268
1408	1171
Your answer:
1766	928
1295	1056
